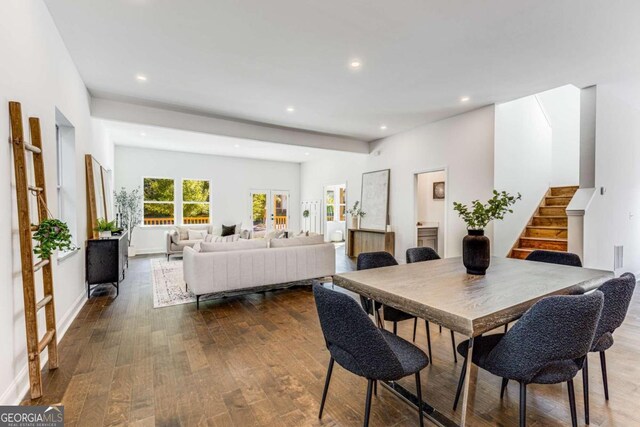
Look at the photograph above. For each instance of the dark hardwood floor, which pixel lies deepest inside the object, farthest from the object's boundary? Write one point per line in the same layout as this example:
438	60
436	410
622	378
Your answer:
260	359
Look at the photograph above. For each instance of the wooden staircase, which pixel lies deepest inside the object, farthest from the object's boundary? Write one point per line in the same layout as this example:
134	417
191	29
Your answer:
547	228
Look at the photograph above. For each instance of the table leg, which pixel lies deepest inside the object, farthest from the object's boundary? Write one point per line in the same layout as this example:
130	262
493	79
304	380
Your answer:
467	381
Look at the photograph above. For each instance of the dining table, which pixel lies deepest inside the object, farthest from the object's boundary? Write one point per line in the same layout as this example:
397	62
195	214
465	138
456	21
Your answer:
441	292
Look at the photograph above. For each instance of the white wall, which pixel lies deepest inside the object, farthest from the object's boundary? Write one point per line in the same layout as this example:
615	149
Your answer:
562	108
428	209
231	181
613	218
463	144
523	153
38	72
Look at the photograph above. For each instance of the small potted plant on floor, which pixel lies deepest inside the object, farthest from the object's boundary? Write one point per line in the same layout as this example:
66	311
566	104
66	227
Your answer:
356	213
476	249
52	234
105	228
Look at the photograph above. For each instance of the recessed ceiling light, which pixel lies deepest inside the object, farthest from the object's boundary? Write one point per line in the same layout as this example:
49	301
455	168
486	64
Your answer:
141	78
464	99
237	146
383	127
355	64
306	154
291	109
143	134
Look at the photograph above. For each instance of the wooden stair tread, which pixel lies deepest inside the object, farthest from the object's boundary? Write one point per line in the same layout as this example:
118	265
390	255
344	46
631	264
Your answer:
548	227
546	239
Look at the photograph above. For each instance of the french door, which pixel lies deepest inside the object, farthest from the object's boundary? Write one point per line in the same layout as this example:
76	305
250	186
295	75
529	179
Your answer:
269	210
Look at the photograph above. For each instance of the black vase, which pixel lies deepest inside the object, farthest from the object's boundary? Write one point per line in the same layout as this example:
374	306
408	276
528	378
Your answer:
476	252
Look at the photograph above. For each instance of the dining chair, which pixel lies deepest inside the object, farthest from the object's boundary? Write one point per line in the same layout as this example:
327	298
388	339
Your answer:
617	298
553	257
363	349
547	345
423	254
369	260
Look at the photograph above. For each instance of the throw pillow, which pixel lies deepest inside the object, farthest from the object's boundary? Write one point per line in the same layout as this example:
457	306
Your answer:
225	239
228	230
297	241
240	245
197	234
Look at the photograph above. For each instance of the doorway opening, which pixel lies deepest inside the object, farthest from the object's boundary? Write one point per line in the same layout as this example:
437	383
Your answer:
335	212
430	202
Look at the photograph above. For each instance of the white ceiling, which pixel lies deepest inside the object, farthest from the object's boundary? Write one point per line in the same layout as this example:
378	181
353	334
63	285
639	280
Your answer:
141	136
250	59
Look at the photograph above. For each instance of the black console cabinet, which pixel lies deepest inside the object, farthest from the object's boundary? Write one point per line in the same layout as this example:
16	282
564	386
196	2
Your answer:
106	261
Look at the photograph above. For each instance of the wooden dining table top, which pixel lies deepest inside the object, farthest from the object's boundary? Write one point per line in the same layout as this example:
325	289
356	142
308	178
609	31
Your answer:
441	291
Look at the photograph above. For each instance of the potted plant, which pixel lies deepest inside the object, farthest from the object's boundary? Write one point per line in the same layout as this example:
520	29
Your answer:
105	228
52	234
356	213
129	212
476	249
305	215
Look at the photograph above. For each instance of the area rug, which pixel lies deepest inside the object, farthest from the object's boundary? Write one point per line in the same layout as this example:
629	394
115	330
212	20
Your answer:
168	283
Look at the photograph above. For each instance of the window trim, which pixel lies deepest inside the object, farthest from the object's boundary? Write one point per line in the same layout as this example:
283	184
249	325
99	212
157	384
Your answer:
173	202
183	202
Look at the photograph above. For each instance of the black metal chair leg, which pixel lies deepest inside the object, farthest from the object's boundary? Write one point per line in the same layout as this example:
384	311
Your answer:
428	340
419	393
523	404
603	365
395	328
503	388
415	326
506	328
367	407
375	388
440	326
463	372
572	403
453	346
197	302
585	388
326	386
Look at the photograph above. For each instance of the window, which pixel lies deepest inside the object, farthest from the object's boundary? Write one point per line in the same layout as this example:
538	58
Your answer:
195	201
343	203
158	200
66	176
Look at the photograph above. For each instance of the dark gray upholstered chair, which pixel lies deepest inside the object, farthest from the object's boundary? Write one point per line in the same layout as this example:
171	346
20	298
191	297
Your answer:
617	297
552	257
362	348
423	254
370	260
547	345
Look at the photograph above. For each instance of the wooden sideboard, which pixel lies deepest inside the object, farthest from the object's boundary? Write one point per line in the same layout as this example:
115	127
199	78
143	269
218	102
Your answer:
361	240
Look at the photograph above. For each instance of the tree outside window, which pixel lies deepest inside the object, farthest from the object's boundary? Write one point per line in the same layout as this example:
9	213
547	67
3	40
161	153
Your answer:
195	201
158	199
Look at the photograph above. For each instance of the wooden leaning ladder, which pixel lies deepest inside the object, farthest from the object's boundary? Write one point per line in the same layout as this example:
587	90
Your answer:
35	346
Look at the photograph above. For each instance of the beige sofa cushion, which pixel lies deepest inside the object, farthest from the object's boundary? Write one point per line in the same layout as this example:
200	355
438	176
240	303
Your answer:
240	245
183	230
182	244
297	241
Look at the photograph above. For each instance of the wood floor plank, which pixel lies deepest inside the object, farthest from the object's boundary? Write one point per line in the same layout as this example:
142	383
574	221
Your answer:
261	360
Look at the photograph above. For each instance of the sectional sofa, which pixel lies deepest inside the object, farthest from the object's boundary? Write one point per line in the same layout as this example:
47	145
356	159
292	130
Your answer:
244	266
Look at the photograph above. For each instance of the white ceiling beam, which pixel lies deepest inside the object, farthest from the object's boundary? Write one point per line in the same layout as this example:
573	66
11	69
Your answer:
162	117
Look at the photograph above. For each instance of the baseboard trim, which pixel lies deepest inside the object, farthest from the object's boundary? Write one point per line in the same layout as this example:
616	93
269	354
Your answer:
19	387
